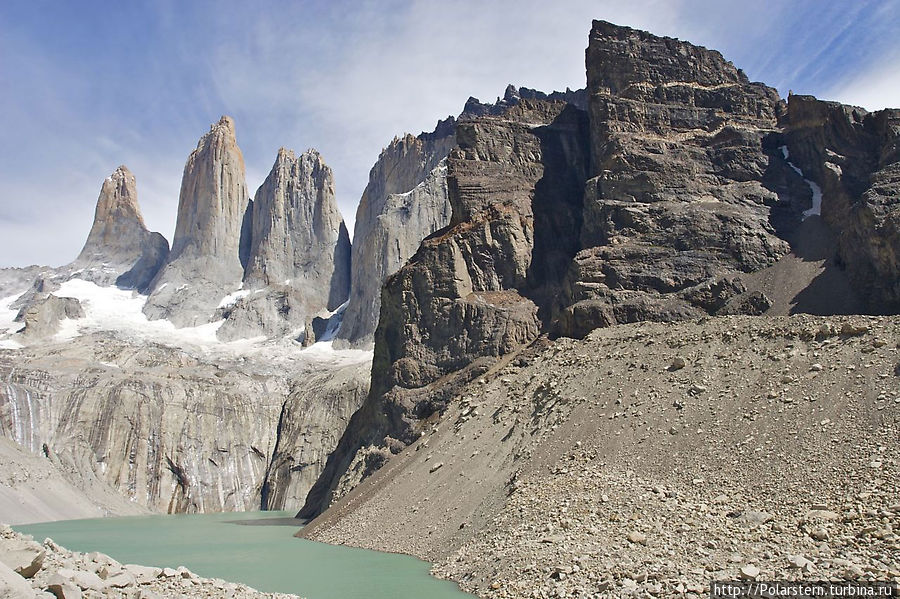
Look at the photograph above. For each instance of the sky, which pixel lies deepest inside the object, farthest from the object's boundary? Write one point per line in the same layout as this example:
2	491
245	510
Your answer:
86	86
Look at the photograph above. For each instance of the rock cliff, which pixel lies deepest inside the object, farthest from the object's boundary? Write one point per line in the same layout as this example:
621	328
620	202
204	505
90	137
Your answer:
407	200
119	249
469	294
677	205
404	202
178	431
854	157
204	264
298	258
656	200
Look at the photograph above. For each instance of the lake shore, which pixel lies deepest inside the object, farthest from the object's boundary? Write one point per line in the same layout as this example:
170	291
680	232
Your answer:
29	569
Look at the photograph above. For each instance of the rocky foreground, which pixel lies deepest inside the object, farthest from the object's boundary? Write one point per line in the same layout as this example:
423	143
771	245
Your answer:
30	570
653	458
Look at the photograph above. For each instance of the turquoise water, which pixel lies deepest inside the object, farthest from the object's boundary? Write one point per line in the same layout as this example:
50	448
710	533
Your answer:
256	548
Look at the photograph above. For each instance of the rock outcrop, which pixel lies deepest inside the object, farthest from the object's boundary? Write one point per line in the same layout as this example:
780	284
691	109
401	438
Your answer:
298	259
43	315
404	202
204	264
677	205
650	205
854	156
119	249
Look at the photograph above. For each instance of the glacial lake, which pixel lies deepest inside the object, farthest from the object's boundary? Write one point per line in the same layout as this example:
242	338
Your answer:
255	548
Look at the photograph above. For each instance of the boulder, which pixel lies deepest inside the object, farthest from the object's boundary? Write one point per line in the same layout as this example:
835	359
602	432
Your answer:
142	574
24	557
63	587
12	585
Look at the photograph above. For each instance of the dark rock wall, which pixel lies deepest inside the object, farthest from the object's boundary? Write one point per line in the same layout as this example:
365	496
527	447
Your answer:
855	157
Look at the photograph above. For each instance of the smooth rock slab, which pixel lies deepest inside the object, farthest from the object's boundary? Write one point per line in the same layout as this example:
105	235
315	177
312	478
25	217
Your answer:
63	588
24	559
12	585
142	574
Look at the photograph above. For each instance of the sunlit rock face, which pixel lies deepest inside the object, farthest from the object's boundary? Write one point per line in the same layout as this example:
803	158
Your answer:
298	255
404	202
204	264
119	249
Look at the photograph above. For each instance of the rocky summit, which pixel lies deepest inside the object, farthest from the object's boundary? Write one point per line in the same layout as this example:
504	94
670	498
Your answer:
119	248
297	263
204	264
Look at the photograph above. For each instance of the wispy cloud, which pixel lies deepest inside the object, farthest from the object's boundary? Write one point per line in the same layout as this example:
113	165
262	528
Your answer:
139	83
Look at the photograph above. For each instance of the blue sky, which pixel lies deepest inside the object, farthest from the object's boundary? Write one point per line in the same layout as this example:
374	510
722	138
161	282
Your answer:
89	85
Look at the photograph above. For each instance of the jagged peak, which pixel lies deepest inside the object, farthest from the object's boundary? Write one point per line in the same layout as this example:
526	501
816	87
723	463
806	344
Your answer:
285	155
118	198
313	154
512	95
225	122
289	156
618	57
222	131
121	172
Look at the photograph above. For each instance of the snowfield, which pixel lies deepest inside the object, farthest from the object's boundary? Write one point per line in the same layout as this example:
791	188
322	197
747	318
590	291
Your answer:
120	311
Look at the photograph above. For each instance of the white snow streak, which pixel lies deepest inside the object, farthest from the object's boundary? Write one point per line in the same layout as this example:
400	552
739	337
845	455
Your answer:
813	186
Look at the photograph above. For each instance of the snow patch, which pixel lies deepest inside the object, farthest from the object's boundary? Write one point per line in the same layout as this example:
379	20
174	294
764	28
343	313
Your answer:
114	309
233	298
121	312
8	315
8	325
816	208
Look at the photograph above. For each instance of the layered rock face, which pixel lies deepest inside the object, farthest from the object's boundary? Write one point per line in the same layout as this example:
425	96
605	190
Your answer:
649	206
677	205
119	249
854	156
407	200
204	264
404	202
466	296
298	254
